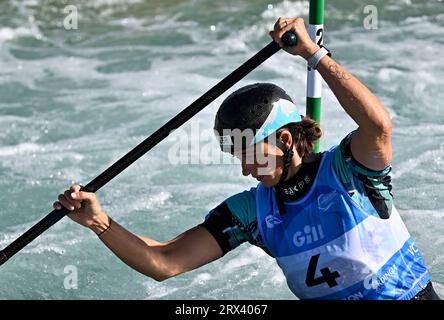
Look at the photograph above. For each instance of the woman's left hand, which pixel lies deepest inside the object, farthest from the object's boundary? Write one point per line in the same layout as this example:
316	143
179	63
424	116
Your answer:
305	46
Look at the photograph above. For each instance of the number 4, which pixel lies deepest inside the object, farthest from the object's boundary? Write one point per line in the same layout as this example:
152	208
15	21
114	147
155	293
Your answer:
327	275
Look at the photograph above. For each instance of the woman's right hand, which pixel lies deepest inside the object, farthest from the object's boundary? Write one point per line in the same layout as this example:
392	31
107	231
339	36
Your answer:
305	47
84	207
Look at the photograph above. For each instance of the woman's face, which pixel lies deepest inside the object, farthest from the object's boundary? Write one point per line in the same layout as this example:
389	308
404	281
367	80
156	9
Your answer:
262	161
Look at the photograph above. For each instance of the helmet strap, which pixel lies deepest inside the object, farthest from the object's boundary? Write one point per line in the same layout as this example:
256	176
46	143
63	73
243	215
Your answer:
288	156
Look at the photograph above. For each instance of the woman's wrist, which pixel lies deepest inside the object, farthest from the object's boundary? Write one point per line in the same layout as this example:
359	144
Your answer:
100	224
309	51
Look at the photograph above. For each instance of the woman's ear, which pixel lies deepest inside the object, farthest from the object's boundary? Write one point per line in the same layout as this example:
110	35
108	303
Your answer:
286	138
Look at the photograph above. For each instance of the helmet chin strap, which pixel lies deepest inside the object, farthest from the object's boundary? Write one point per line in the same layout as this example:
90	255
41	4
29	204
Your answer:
288	156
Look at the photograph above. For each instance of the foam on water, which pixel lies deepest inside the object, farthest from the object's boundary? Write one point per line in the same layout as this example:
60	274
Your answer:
10	33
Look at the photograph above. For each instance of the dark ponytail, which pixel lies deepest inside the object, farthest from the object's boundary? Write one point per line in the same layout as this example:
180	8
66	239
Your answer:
305	135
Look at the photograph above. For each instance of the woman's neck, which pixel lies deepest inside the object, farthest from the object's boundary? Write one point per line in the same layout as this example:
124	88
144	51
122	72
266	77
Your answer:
302	174
295	166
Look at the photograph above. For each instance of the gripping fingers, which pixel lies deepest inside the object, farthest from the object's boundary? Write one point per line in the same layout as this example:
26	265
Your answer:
56	205
64	202
67	201
280	27
283	25
75	188
75	203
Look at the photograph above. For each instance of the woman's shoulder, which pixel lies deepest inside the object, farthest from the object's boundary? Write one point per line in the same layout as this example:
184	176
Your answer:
346	165
371	189
243	205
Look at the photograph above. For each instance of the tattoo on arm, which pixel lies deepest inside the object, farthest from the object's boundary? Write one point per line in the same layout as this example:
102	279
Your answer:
338	71
341	74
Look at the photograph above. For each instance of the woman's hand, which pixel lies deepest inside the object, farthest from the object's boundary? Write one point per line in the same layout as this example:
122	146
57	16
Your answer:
305	47
85	208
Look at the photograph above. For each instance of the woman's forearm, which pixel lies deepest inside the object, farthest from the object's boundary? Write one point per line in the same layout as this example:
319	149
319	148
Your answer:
356	99
142	254
362	105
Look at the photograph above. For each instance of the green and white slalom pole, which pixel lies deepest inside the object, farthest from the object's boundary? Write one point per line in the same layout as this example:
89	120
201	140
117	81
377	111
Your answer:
314	79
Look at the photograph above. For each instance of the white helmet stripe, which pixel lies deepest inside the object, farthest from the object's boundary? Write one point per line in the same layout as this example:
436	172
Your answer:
283	112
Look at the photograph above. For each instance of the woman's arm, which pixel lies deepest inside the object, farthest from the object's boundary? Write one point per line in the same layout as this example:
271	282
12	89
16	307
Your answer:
190	250
160	261
371	144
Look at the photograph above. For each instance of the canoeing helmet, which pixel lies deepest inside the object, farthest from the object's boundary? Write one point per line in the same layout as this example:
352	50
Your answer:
251	114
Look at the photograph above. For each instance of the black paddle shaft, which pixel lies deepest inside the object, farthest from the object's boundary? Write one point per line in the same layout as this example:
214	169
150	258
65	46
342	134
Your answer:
289	39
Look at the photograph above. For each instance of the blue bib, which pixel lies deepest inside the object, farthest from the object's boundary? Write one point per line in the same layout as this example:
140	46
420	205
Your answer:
329	248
